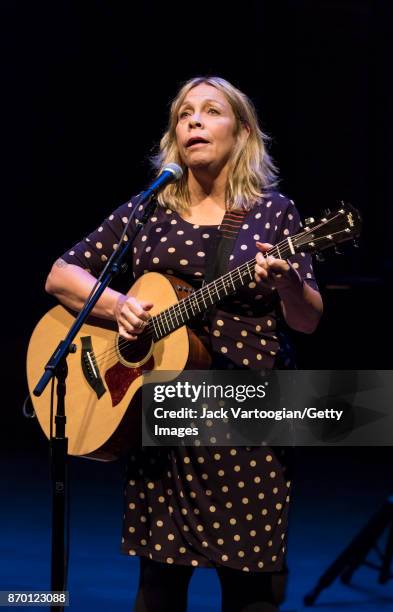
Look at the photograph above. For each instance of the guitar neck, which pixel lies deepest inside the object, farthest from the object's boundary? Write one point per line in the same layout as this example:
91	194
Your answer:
196	304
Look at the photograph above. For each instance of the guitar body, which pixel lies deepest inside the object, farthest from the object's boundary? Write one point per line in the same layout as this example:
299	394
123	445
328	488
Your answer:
106	373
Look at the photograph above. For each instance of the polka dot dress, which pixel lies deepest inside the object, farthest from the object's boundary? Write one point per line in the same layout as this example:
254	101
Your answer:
207	506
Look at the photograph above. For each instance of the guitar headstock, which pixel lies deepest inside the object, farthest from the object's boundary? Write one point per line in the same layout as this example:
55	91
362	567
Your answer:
335	227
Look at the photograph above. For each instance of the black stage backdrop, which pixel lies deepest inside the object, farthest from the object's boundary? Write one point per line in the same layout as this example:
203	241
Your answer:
86	87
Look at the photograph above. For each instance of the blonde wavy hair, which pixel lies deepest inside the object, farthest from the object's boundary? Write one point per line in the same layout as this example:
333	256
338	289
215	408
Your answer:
252	172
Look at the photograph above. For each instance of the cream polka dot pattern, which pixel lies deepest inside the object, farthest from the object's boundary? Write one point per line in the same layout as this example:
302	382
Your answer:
205	506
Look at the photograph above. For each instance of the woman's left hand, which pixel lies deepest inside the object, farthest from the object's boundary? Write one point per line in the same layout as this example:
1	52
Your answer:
301	304
274	272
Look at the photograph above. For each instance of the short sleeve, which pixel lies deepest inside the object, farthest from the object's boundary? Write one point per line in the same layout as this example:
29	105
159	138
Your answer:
291	224
93	252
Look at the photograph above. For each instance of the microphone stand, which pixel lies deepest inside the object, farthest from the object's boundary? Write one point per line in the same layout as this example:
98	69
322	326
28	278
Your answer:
56	367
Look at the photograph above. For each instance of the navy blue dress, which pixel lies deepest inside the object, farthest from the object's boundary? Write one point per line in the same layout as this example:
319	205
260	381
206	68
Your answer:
209	506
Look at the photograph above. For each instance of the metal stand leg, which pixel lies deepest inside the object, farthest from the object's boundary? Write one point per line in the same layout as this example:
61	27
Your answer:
356	552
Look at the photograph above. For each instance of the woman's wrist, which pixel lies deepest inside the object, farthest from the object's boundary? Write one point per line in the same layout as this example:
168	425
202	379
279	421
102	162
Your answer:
289	282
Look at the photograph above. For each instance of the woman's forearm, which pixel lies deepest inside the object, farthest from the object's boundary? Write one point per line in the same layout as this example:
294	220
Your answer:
71	285
302	306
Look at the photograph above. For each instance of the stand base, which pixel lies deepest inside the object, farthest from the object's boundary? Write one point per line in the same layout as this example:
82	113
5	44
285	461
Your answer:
356	552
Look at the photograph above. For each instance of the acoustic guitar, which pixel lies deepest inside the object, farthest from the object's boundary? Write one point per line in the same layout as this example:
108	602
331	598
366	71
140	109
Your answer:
106	373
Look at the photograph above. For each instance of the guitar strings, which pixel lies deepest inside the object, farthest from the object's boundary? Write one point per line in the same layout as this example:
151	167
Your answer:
123	342
198	298
182	307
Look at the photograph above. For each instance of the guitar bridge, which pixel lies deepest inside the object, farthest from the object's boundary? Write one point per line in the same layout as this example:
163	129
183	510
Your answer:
90	368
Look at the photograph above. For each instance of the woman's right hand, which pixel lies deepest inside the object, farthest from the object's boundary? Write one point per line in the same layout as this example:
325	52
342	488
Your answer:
131	316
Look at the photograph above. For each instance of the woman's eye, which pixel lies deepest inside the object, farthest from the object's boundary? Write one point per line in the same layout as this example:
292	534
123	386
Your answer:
183	114
213	110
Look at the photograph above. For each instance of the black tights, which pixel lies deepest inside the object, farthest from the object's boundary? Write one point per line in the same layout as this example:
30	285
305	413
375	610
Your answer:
164	587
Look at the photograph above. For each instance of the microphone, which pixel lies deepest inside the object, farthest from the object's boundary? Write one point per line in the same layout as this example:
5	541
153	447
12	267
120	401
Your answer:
171	173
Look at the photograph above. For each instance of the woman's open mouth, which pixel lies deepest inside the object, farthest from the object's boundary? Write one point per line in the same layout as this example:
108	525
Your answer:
196	142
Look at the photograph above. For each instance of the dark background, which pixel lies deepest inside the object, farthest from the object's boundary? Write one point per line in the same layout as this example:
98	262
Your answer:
86	88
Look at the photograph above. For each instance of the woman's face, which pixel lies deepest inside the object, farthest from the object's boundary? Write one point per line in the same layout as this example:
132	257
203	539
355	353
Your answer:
205	129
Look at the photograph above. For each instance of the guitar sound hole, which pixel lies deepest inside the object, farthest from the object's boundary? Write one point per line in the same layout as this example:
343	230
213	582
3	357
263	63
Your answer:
135	351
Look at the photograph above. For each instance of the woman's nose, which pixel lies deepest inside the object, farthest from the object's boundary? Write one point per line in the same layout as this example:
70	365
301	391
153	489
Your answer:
195	120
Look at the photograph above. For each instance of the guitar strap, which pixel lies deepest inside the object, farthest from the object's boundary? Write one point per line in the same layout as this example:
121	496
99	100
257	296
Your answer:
217	257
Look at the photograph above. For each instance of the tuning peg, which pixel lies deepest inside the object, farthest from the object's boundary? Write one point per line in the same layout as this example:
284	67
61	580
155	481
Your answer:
319	257
327	211
337	251
355	243
309	220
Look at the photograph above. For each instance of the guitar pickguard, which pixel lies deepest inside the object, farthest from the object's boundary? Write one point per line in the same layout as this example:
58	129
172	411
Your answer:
119	378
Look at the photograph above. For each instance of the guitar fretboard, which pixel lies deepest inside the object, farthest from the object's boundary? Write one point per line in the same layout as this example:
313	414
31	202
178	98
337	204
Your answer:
204	298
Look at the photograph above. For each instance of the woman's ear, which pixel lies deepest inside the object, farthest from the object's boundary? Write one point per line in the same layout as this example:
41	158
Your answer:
245	131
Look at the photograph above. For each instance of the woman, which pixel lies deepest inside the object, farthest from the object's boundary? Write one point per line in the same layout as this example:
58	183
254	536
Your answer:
210	507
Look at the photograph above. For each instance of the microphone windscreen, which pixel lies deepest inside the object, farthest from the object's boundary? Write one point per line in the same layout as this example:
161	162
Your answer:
175	169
